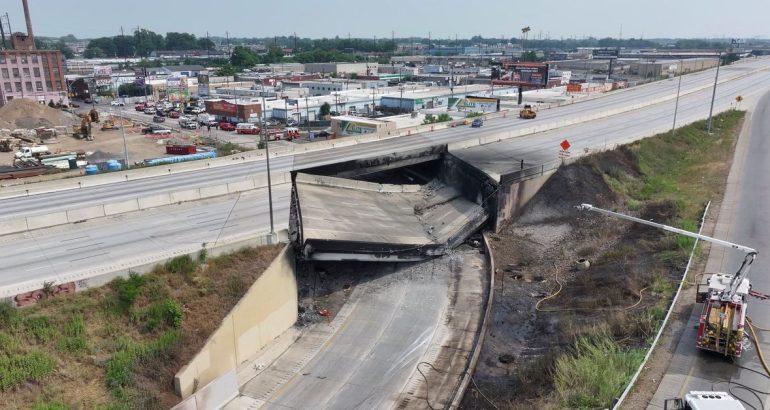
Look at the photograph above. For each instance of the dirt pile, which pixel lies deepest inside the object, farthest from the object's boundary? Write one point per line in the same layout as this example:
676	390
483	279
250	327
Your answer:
24	113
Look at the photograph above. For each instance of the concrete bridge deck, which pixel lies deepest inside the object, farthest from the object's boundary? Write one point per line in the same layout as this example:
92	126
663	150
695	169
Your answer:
342	219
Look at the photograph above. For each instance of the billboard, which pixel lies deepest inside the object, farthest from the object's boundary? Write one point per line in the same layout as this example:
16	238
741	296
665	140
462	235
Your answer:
605	53
523	74
102	76
102	71
203	84
484	104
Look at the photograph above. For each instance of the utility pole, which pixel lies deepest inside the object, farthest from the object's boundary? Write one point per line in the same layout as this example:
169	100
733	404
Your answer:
678	87
714	92
123	131
267	159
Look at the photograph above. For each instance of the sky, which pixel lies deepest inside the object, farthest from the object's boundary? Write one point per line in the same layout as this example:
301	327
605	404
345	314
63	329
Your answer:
443	19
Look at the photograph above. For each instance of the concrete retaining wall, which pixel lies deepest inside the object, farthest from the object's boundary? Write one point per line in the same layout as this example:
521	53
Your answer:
511	198
267	309
214	395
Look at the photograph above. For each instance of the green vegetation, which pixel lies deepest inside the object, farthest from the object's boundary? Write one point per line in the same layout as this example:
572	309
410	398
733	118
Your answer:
432	119
120	345
671	175
16	369
474	114
595	371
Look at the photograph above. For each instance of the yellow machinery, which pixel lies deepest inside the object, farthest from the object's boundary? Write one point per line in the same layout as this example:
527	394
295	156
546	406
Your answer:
108	125
527	113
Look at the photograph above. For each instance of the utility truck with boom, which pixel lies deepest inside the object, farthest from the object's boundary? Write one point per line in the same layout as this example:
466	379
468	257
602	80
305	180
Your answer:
724	297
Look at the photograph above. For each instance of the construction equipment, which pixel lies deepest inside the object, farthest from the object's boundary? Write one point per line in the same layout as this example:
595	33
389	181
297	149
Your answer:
94	115
527	113
109	125
83	131
6	146
721	324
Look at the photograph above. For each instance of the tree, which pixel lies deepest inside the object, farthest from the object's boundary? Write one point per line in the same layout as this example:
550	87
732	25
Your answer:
205	44
325	109
243	58
274	55
226	70
105	44
146	41
181	41
93	52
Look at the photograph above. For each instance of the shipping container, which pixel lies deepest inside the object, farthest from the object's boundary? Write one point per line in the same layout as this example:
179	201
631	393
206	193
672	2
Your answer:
181	149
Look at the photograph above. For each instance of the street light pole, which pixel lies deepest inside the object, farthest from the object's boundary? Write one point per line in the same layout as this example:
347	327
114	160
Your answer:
123	131
714	93
267	158
678	87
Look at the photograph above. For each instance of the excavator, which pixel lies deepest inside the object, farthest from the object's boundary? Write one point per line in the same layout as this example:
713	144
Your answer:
83	131
527	112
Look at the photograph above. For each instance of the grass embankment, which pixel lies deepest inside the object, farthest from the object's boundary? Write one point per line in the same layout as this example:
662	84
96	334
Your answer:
682	171
119	346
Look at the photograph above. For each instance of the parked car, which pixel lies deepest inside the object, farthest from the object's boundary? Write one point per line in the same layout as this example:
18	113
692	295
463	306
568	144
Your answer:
322	134
291	122
188	110
173	114
149	111
155	129
140	107
188	124
158	118
116	103
246	128
197	110
160	113
477	123
226	126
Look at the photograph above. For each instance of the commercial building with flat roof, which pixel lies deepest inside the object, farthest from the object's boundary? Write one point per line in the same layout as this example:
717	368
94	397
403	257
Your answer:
26	72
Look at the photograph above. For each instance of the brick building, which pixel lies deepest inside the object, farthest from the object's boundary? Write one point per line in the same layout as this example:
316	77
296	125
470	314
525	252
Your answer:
26	72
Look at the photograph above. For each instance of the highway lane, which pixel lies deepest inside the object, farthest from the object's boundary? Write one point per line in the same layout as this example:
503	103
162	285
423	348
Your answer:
534	149
44	203
126	240
743	219
505	156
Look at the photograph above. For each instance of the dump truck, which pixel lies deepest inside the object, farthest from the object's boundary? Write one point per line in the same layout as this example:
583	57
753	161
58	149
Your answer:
31	152
527	113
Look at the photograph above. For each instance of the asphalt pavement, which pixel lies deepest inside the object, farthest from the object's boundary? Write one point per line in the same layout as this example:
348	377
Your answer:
743	219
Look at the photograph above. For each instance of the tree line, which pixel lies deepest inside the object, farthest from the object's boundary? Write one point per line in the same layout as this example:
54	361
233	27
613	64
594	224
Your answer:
143	42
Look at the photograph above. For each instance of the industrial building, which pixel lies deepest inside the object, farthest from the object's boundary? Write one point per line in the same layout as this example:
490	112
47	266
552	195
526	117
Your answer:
26	72
342	69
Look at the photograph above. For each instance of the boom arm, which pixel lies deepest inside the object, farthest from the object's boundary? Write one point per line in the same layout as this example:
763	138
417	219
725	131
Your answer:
736	279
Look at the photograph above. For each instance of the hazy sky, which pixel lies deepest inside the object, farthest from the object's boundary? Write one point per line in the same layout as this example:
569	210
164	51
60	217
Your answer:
361	18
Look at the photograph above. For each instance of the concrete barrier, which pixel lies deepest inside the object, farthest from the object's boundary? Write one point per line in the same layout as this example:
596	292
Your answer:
101	276
214	395
121	207
240	186
81	214
186	195
42	221
13	225
154	201
212	191
267	309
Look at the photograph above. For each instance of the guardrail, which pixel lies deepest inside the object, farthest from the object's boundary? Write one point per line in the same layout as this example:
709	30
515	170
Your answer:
665	319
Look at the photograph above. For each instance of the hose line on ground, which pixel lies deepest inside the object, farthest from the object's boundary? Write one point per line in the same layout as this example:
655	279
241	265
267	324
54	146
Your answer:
759	348
561	287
